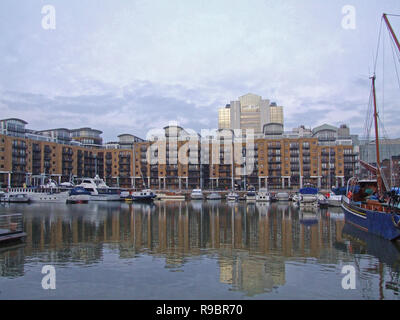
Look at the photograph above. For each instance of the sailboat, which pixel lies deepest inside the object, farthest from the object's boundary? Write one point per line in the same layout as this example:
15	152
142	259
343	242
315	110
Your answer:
145	195
232	195
368	204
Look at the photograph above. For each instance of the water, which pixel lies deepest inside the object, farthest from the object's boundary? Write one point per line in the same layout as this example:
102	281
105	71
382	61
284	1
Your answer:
194	250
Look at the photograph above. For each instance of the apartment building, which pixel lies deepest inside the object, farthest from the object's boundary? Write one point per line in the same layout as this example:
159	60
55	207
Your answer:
176	158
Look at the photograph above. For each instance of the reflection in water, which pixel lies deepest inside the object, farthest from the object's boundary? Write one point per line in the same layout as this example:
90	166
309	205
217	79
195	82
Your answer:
252	244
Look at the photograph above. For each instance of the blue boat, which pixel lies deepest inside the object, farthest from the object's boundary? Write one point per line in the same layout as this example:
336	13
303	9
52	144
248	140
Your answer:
78	195
365	211
370	205
142	196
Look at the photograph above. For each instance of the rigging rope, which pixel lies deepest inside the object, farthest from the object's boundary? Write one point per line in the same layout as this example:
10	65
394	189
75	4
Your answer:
395	65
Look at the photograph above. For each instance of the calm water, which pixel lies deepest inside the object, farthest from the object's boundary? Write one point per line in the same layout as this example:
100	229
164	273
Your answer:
194	250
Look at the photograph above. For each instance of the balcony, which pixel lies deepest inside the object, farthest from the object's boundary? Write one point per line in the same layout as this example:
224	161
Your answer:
274	147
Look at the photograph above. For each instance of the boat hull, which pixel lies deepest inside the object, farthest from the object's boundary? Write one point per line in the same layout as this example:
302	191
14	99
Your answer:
375	222
283	196
263	198
196	197
142	199
43	197
110	197
335	201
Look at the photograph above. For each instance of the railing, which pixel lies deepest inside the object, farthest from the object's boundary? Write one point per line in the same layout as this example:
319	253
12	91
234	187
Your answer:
10	224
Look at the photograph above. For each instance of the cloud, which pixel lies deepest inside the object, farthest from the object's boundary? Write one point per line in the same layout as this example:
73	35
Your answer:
128	67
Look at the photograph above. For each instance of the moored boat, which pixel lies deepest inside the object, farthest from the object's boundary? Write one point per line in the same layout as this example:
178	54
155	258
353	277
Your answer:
370	205
171	196
99	191
263	195
15	198
251	194
41	194
308	196
214	196
232	196
322	201
197	194
282	196
145	195
78	195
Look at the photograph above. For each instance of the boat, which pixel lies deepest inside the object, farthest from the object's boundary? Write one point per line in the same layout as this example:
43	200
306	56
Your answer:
335	197
308	196
78	195
196	194
214	196
322	201
251	194
232	196
125	194
296	198
263	195
145	195
17	198
273	197
282	196
44	193
99	191
171	196
370	205
14	198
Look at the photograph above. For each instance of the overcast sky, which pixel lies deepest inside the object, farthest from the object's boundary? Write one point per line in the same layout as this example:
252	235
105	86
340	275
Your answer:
127	66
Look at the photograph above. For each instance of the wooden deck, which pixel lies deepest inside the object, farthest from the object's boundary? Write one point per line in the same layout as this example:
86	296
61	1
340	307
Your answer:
11	227
12	237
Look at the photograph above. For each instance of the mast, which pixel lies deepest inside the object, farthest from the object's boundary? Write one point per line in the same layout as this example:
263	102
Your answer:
378	159
329	166
391	31
232	167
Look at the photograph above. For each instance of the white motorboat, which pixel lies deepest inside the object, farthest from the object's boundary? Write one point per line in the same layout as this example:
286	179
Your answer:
296	198
14	198
197	194
99	191
309	195
214	196
251	194
322	201
282	196
171	196
45	193
232	196
263	195
334	200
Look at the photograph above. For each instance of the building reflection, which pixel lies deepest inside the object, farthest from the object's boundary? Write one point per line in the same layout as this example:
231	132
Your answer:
250	242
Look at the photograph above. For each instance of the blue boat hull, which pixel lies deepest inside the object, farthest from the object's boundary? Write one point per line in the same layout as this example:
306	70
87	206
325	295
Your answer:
376	222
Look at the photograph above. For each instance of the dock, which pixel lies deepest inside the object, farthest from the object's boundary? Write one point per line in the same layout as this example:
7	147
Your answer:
11	228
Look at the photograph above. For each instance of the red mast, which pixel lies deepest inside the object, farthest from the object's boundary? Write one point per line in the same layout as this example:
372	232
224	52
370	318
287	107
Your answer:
391	31
378	158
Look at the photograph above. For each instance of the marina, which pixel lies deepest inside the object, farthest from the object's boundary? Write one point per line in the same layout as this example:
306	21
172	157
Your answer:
196	250
200	151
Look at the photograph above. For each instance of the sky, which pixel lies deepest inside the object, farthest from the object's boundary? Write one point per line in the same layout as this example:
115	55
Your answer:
128	66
